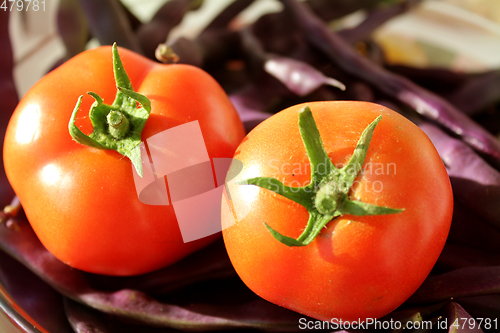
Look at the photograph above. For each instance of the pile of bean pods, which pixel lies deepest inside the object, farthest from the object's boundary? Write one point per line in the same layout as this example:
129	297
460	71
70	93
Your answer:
256	64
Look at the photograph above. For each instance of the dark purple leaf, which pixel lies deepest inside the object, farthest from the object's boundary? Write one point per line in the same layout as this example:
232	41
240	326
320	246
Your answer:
109	23
425	102
463	282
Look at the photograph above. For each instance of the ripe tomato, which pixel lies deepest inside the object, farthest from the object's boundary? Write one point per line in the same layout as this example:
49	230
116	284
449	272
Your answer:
357	267
81	201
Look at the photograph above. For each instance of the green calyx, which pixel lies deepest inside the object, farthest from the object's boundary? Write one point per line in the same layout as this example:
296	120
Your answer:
327	194
118	126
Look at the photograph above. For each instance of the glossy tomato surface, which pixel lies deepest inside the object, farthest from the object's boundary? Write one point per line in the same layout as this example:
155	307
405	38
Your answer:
81	201
358	267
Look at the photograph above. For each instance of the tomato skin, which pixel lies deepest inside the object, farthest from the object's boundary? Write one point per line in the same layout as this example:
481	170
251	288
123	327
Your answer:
81	201
357	267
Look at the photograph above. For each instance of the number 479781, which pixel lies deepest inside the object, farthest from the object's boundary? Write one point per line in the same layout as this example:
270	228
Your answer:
20	5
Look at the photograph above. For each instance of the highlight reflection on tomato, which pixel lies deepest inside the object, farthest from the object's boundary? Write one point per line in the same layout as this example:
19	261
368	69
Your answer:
369	248
81	201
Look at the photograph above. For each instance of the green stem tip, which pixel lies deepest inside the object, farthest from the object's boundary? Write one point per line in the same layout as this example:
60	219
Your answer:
327	194
117	126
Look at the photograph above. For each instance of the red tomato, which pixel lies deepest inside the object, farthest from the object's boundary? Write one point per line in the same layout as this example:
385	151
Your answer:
357	267
81	201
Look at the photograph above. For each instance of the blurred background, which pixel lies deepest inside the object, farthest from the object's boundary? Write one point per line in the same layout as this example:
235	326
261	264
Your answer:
463	35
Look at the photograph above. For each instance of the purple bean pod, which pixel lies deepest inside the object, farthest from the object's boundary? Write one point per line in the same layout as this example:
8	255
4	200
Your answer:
424	102
460	321
483	307
214	45
277	33
441	81
298	76
375	19
156	31
250	103
459	283
475	183
83	319
208	50
109	23
8	96
86	320
38	301
137	307
210	264
72	27
455	256
412	316
471	230
471	93
329	10
133	20
479	92
228	14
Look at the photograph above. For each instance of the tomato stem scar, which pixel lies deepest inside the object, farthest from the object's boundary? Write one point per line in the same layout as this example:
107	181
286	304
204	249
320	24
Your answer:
327	195
118	126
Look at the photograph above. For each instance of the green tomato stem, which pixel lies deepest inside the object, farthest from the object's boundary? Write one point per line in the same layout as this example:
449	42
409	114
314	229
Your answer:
328	198
118	126
327	195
